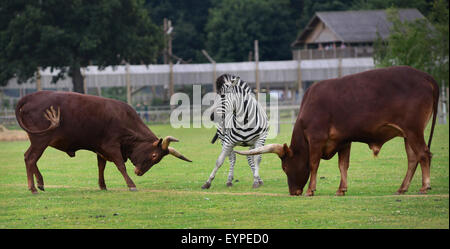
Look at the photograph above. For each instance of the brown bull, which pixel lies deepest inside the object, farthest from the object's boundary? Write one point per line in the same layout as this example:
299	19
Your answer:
371	107
71	121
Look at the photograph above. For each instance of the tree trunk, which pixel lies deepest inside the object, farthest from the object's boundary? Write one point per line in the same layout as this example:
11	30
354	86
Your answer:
77	80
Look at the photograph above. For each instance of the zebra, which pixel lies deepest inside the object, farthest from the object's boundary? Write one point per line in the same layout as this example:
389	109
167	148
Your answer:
240	120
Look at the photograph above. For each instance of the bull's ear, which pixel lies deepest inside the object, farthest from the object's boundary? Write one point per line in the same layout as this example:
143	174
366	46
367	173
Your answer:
287	151
158	143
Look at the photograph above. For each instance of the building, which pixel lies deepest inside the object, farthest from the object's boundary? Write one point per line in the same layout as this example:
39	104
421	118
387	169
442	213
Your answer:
345	34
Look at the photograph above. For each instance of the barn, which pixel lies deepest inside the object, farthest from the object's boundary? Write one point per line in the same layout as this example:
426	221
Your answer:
345	34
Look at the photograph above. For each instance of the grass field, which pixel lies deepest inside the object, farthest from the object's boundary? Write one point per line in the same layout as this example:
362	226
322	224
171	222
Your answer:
170	194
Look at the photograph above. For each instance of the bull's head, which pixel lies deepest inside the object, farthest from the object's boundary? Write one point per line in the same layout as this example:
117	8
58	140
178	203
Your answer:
293	164
150	154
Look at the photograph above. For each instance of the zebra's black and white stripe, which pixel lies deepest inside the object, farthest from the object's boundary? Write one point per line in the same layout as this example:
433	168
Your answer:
240	120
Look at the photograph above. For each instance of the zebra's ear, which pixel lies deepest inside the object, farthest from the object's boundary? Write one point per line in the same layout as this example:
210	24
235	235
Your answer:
236	80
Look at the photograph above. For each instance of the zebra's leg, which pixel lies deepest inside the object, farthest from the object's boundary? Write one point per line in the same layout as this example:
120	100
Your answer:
256	179
232	158
226	149
257	160
254	164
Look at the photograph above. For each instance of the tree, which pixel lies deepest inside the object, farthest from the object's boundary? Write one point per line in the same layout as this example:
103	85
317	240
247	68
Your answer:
422	5
188	19
73	34
420	44
233	25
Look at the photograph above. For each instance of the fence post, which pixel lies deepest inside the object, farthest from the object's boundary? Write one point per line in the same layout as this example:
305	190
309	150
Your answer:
214	69
443	109
447	98
257	69
127	70
299	79
83	74
38	79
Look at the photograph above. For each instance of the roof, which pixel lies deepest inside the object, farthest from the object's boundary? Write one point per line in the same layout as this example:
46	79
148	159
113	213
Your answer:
358	25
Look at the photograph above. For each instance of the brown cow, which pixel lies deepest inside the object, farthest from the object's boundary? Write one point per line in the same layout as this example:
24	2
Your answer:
371	107
71	121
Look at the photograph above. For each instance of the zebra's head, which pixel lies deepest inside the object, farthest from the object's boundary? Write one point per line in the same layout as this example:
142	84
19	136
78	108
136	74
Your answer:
226	82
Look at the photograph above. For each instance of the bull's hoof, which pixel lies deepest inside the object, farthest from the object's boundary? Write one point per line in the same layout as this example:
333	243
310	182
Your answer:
422	192
229	184
41	188
206	185
340	193
133	189
400	192
103	188
34	192
309	193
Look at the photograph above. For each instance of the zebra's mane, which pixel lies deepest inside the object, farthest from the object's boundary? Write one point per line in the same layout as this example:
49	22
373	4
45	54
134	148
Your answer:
240	87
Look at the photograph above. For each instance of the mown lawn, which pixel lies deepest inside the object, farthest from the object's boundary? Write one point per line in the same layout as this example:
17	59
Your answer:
170	194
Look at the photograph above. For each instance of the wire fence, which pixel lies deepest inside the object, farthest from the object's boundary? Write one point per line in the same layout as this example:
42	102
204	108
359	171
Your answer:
287	113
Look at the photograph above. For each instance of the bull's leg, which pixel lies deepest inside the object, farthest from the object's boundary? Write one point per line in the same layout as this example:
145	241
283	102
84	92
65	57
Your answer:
314	165
121	167
412	165
232	158
314	160
101	169
39	179
226	150
31	157
115	154
344	158
416	151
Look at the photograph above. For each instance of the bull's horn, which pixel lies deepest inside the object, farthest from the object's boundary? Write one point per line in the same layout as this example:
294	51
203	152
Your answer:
166	141
270	148
175	153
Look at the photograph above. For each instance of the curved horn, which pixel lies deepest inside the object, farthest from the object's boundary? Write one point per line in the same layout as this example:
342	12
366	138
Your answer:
270	148
166	141
175	153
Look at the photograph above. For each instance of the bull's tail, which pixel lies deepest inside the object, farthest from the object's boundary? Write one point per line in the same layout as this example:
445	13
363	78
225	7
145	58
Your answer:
50	114
435	106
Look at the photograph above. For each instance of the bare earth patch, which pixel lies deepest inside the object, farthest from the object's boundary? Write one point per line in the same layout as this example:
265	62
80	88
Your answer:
12	135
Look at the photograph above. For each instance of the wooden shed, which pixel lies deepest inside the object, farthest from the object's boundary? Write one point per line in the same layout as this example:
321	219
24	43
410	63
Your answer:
334	34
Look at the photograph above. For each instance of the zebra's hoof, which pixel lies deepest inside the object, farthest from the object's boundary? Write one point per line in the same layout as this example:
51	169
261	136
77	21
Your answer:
256	184
206	185
229	184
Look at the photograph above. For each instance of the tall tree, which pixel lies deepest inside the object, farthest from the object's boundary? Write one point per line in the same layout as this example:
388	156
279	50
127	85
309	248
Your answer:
71	34
188	19
420	44
233	25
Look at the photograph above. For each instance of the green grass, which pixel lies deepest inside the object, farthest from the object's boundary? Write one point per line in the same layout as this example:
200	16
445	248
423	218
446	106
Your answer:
170	194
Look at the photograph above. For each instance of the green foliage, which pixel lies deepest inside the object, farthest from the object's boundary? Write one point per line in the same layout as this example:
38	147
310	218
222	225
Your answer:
420	44
421	5
118	93
233	25
74	34
188	19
